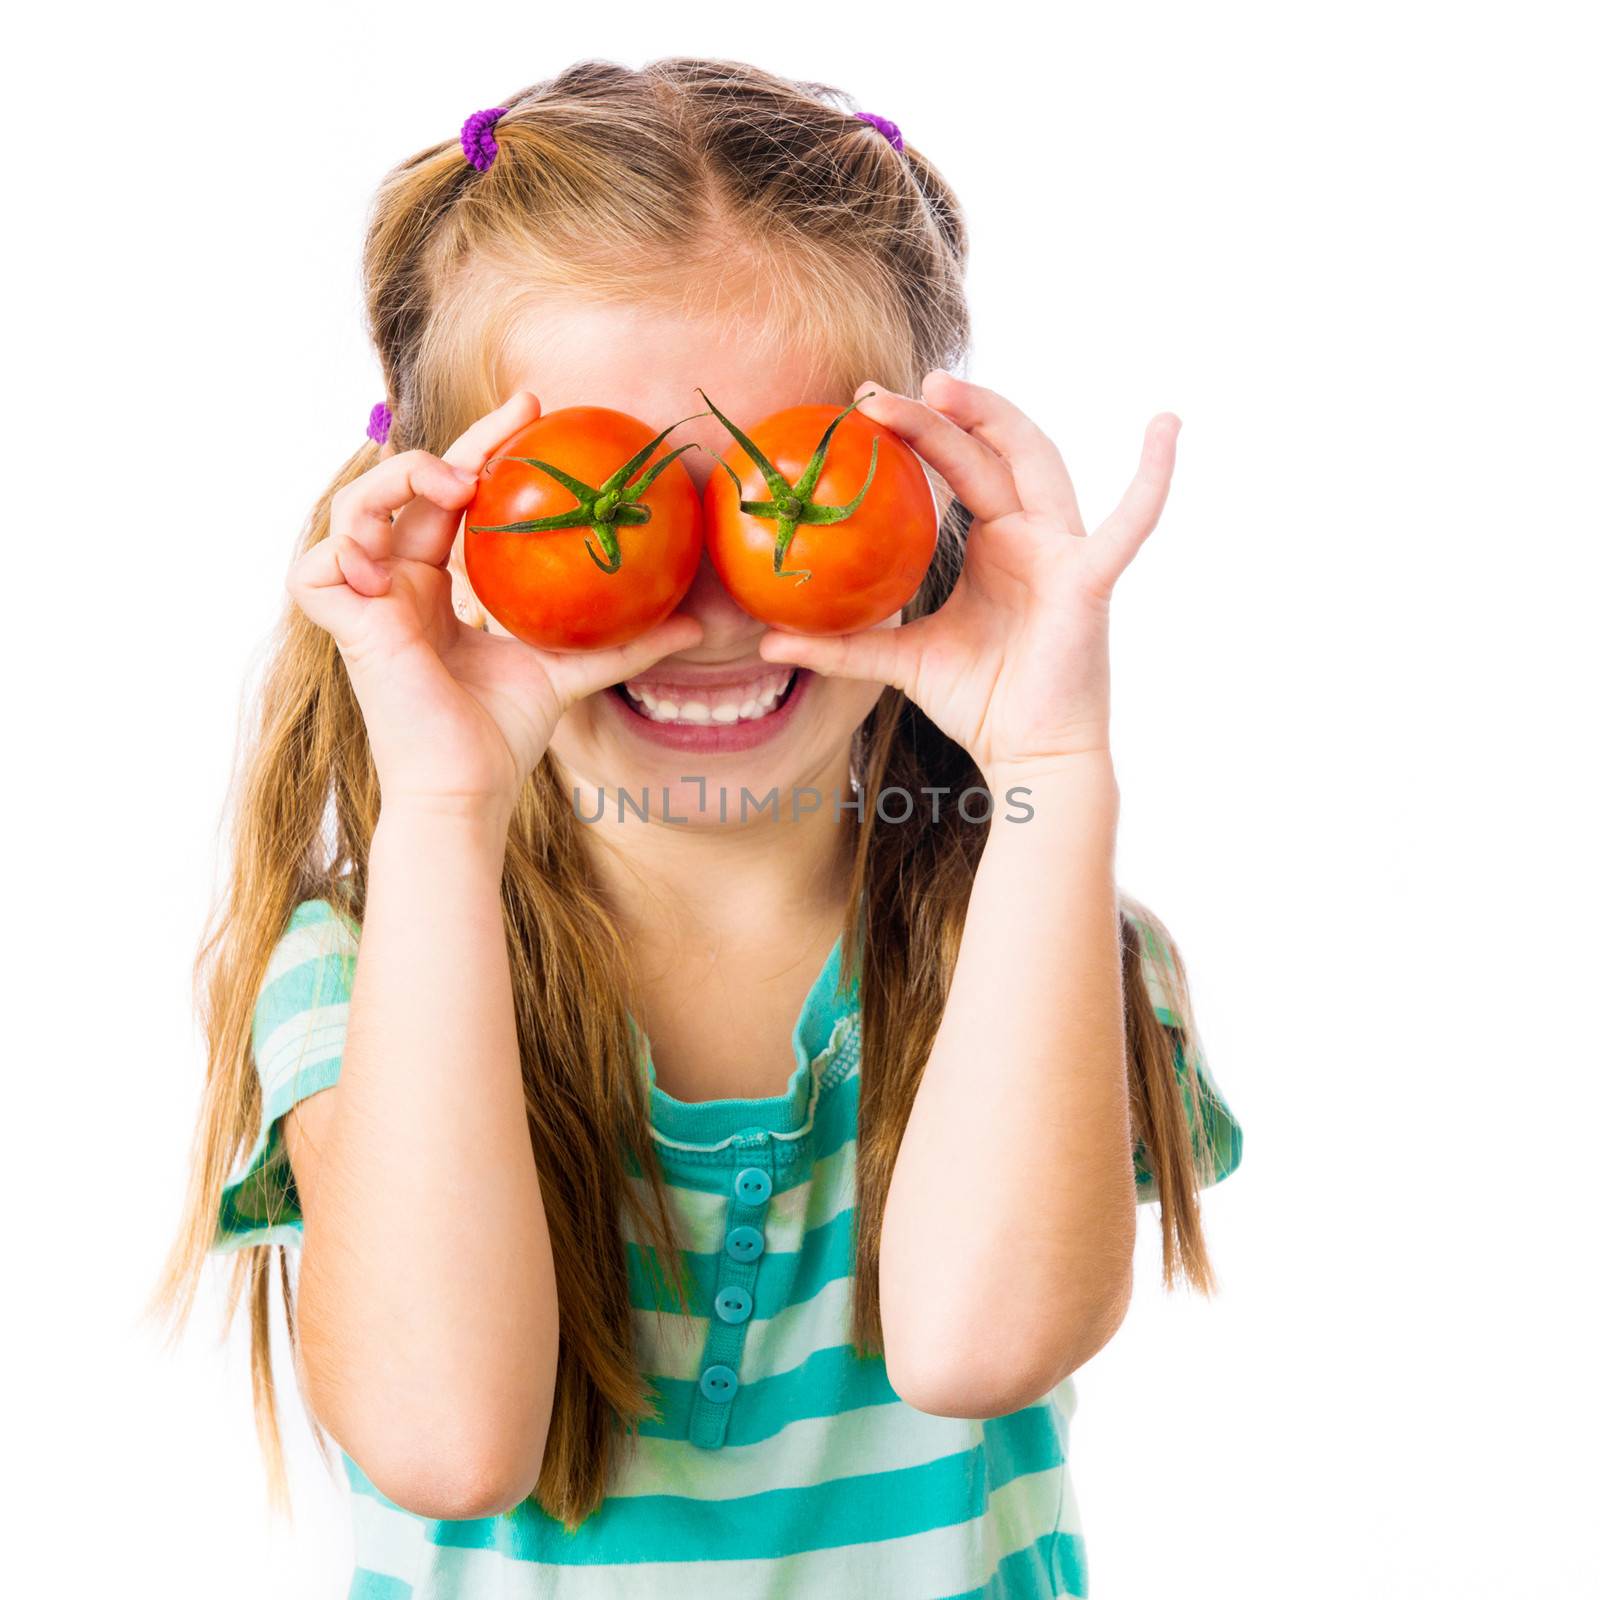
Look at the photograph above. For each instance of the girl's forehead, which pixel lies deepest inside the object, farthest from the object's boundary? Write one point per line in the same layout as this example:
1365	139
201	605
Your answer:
651	361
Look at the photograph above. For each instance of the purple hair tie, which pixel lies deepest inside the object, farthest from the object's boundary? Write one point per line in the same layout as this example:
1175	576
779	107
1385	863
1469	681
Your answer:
378	422
477	141
885	127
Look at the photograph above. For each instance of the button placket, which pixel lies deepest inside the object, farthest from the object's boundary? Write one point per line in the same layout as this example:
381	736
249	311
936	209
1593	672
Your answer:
750	1187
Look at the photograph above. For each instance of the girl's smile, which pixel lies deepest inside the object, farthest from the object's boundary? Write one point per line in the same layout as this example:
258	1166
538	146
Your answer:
715	710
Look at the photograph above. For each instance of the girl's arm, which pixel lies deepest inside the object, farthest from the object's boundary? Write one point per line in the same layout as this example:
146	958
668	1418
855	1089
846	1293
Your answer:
1006	1254
427	1307
1006	1257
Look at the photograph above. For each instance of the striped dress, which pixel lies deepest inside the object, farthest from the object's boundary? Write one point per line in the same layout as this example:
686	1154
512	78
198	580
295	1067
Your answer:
781	1464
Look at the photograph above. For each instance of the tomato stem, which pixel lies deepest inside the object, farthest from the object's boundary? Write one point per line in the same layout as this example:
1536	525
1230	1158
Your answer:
607	536
601	509
791	503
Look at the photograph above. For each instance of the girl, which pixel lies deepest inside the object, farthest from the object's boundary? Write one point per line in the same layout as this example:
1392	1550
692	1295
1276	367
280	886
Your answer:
729	1197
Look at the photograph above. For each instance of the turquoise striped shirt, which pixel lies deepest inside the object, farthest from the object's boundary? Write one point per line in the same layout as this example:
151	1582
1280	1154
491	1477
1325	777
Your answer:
781	1464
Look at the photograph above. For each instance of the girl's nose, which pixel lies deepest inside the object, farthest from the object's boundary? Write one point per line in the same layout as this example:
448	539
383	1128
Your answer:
710	604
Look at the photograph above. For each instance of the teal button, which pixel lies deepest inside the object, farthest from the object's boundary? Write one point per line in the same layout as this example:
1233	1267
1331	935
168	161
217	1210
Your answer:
744	1244
752	1186
733	1304
718	1383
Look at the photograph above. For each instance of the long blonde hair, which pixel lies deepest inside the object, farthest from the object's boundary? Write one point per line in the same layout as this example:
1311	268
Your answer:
698	186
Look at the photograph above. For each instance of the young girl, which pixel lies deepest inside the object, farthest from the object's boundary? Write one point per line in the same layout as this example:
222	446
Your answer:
727	1198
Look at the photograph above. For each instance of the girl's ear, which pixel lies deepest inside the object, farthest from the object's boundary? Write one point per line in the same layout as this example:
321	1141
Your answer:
462	599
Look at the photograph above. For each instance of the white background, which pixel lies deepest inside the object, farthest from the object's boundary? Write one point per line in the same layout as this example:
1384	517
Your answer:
1351	247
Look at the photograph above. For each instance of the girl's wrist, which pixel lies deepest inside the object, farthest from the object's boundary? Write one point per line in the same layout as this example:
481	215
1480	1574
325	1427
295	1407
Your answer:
479	820
1087	771
1060	826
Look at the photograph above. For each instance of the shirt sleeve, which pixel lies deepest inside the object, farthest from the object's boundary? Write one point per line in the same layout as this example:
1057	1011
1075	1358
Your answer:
1214	1131
297	1042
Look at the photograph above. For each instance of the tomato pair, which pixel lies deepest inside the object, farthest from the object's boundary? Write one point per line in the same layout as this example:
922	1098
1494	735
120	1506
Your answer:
824	522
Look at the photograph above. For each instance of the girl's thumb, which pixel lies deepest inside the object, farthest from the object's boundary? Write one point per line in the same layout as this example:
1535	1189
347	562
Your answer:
876	655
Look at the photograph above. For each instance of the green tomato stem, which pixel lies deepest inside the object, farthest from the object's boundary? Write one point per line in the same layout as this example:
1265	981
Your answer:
792	504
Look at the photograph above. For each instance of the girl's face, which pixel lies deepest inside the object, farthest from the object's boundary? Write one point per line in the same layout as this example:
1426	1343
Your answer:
698	727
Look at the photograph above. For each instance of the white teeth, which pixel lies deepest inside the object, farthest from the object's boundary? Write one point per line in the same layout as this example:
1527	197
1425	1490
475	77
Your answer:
735	704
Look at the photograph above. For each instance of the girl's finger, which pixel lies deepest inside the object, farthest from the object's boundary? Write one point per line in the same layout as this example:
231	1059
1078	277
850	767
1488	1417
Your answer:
429	527
320	583
875	655
1040	476
337	560
1136	513
981	480
364	510
584	672
491	430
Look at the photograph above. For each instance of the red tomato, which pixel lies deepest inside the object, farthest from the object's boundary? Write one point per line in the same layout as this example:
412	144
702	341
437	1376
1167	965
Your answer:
855	503
594	560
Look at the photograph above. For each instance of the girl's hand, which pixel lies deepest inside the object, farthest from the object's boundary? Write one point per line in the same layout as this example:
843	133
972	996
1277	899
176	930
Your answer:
1014	666
455	716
